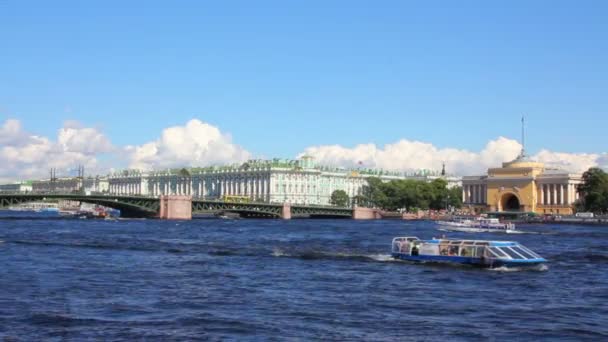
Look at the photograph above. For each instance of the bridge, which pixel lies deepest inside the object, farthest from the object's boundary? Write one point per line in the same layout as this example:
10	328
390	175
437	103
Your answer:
183	207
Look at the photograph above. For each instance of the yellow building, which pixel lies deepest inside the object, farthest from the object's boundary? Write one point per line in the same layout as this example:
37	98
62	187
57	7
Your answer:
522	185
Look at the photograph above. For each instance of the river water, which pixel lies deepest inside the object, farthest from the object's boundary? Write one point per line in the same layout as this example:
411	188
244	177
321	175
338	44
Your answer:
288	280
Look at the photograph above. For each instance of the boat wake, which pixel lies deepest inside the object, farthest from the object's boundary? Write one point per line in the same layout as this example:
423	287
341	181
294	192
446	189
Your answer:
320	255
537	268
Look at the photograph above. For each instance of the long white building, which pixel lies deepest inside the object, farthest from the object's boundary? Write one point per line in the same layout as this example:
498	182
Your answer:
292	181
70	184
17	187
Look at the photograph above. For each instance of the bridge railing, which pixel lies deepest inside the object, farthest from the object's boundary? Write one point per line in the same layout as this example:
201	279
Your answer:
200	199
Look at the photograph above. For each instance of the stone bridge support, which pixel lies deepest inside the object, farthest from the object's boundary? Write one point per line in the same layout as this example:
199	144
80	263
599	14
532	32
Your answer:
360	213
286	211
174	207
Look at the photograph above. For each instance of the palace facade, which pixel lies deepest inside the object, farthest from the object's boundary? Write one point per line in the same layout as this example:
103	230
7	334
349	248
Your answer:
286	181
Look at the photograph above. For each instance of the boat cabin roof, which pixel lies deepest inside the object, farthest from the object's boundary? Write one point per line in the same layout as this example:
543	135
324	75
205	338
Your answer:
460	242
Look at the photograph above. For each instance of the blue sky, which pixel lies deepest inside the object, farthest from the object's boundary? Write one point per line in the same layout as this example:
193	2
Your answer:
282	76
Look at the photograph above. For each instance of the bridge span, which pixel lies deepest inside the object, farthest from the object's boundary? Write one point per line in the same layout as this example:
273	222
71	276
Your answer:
184	207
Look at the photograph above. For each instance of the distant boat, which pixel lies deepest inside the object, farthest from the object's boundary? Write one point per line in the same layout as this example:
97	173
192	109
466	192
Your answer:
477	225
36	207
469	252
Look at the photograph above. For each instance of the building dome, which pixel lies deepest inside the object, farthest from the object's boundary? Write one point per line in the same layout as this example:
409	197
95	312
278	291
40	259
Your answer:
523	161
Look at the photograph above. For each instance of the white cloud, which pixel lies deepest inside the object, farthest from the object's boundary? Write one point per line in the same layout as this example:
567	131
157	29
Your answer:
574	162
195	144
83	140
27	156
408	155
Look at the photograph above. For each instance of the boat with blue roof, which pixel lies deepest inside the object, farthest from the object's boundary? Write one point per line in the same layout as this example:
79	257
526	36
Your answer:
482	253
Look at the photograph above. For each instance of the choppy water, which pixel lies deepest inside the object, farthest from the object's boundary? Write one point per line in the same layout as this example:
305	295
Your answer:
298	279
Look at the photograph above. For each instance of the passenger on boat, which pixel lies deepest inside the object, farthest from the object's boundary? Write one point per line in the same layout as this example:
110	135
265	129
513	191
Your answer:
405	247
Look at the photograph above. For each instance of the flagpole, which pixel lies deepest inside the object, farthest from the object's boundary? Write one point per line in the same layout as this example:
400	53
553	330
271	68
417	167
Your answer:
523	137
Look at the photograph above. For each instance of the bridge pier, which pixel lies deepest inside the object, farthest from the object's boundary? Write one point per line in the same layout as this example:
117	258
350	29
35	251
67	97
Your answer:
286	211
360	213
174	207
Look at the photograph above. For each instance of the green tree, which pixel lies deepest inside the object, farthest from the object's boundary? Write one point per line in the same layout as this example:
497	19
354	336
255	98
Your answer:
594	191
455	199
339	198
409	194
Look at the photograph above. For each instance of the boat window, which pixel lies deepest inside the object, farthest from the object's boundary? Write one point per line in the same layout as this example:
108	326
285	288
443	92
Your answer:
498	252
524	253
482	243
469	242
453	250
466	251
511	253
530	252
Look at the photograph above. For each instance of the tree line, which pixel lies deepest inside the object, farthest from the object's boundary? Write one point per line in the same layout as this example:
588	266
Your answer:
403	194
594	191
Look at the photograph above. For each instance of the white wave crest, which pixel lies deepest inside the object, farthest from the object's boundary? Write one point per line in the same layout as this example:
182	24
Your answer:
380	257
538	268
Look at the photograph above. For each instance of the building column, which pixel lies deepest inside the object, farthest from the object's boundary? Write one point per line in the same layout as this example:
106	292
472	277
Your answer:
554	197
573	193
542	194
561	194
570	193
464	194
474	193
265	188
472	196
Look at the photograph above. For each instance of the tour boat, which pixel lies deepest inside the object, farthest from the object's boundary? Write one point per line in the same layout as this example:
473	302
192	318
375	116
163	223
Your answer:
469	252
478	225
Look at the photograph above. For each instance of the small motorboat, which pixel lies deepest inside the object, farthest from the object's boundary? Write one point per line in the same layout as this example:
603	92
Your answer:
478	225
469	252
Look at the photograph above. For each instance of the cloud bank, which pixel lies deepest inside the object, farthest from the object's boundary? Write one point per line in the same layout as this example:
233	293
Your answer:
24	155
195	144
408	155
